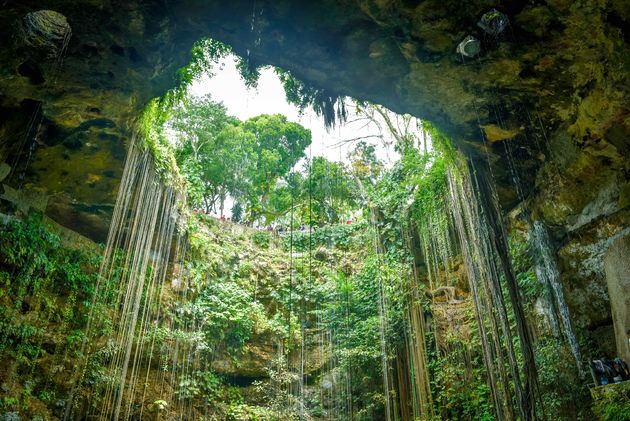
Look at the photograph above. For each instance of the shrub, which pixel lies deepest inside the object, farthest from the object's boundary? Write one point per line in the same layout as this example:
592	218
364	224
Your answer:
262	239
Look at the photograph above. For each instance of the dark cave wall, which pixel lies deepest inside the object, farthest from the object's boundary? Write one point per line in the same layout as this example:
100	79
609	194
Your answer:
550	96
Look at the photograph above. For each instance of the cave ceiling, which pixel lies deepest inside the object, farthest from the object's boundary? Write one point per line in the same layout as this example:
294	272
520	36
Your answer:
557	73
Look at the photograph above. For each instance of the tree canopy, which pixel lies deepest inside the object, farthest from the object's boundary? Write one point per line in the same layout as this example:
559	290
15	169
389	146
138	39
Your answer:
221	156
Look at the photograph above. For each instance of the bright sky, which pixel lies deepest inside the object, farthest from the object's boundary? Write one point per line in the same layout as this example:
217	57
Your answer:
226	86
269	98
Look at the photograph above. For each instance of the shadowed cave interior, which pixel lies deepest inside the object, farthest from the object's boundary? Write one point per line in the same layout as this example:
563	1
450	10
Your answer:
163	257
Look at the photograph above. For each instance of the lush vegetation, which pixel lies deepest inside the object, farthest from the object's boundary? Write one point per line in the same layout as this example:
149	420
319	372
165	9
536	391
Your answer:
314	313
222	157
613	404
253	163
46	287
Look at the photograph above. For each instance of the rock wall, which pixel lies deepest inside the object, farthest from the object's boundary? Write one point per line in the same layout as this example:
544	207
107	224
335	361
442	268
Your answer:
546	98
618	278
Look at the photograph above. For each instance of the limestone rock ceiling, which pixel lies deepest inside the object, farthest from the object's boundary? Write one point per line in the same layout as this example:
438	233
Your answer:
558	72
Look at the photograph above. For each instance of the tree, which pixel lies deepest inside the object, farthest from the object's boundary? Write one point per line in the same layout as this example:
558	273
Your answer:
284	196
319	194
366	167
212	152
329	190
277	146
400	131
221	156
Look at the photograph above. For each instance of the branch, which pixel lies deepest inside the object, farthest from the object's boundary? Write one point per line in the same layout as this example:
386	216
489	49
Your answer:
355	139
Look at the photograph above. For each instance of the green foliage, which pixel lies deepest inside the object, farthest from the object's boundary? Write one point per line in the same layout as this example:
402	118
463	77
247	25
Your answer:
613	403
224	307
329	106
350	308
46	288
204	56
329	191
442	144
323	192
520	254
250	73
151	129
237	212
366	167
278	146
562	390
200	383
177	105
340	236
262	239
229	307
211	151
159	112
34	261
458	377
221	156
223	311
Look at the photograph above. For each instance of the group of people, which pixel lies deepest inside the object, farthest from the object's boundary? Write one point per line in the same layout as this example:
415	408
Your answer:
276	228
607	371
280	229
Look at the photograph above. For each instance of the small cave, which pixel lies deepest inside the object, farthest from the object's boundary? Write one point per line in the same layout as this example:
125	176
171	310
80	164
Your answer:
29	69
134	56
52	133
243	381
100	123
117	49
90	51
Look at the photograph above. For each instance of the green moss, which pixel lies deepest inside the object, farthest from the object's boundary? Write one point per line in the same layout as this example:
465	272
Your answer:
45	291
442	143
535	19
612	402
151	130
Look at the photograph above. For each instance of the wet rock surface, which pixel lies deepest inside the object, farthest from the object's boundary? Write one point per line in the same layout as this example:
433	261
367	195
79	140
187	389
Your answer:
546	97
617	268
44	30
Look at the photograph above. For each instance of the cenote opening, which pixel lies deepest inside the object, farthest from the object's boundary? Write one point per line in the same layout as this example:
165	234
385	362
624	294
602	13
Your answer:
351	210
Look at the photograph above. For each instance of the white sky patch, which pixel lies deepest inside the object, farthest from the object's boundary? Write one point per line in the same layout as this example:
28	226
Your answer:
227	86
